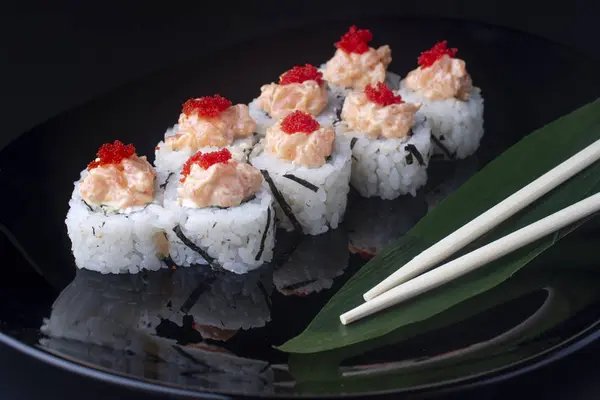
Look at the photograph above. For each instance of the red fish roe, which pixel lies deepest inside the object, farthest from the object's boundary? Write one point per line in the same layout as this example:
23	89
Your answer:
208	106
299	121
112	153
205	161
382	95
355	40
439	50
301	74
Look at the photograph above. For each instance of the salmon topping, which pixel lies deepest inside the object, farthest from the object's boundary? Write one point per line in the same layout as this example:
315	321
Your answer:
358	69
393	121
197	130
300	140
216	180
118	178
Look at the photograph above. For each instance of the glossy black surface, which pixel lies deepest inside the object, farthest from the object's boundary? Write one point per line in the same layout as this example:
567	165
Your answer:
134	326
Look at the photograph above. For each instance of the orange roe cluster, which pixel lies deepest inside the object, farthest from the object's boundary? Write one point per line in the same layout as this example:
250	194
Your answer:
301	74
208	106
355	40
112	153
439	50
205	161
299	121
382	95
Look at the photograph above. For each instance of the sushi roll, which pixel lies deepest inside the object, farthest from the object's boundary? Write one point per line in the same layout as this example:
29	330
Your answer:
301	88
221	213
390	142
205	124
315	262
451	103
356	65
114	216
308	170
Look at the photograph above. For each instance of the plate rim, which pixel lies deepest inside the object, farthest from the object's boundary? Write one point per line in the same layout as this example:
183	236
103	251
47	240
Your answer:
556	353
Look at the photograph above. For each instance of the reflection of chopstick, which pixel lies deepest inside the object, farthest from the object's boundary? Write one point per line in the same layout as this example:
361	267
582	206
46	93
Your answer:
474	229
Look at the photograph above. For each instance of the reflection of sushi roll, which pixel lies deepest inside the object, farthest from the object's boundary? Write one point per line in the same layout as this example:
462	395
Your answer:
116	310
111	321
451	178
206	124
213	367
308	170
222	214
193	365
220	303
390	142
314	264
113	219
374	223
453	106
301	88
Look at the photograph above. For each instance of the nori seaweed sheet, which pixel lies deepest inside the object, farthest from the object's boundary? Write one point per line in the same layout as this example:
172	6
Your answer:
264	235
285	207
263	290
353	142
302	182
444	149
195	295
164	185
298	285
413	150
88	206
196	248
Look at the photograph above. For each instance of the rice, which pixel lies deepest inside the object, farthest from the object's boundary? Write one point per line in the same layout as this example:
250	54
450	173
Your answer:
389	168
168	160
316	197
114	242
457	126
238	239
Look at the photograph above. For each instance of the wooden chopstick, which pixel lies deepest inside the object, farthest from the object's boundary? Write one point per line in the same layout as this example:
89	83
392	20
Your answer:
475	259
489	219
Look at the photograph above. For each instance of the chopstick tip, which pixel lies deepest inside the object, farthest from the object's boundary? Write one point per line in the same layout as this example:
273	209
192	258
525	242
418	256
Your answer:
343	319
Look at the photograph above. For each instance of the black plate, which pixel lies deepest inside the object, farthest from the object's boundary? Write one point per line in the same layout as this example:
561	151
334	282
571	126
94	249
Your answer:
130	329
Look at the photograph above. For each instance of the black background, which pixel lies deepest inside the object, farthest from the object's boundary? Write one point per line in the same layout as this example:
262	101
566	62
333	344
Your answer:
55	58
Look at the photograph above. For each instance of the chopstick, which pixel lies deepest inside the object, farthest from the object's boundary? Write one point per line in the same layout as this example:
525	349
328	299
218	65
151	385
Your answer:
475	259
489	219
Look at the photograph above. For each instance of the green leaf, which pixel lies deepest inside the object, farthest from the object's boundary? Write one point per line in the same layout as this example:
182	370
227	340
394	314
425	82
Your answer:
573	286
522	163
